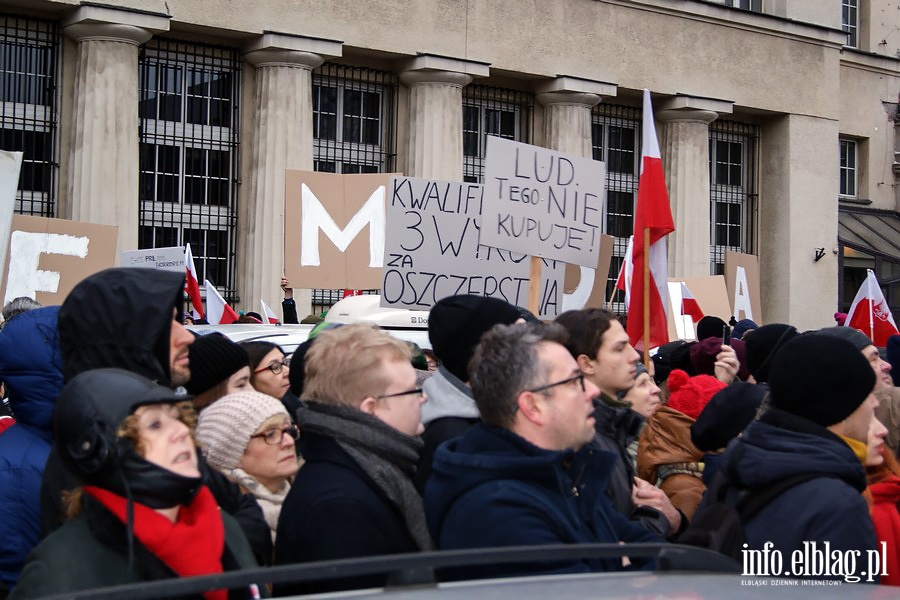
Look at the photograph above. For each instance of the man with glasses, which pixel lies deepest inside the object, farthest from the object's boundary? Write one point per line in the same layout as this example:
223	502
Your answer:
354	495
527	473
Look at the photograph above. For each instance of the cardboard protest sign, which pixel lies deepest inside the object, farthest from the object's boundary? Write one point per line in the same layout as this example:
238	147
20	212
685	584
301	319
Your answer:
710	295
10	164
432	250
334	229
47	257
542	202
164	259
586	287
742	281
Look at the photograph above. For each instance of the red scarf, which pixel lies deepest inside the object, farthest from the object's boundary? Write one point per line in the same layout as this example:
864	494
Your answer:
885	516
192	545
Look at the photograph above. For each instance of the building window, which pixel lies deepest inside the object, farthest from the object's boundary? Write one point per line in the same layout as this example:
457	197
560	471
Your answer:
751	5
29	59
848	170
189	127
732	178
354	112
616	140
850	21
492	111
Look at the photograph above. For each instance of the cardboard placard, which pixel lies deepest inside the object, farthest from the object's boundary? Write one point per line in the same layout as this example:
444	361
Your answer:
164	259
711	296
542	202
334	229
432	250
48	257
742	281
586	287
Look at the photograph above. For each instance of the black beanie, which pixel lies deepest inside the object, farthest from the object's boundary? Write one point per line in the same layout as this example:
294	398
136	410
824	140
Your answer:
761	345
856	337
726	415
214	358
711	327
821	378
456	324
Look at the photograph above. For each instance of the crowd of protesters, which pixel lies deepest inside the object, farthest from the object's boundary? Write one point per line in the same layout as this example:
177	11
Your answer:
137	451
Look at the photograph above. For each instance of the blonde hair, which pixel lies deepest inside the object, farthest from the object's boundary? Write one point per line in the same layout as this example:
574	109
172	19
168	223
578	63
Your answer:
343	364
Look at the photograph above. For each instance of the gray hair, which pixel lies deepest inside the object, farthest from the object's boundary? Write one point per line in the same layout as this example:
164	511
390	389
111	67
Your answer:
506	363
17	306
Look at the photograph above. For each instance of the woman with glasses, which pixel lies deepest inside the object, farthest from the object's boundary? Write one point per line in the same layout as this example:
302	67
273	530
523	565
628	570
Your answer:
249	437
269	368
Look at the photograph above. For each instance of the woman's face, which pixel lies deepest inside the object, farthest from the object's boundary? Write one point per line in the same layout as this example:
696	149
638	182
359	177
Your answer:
165	440
271	464
644	396
875	443
266	380
239	380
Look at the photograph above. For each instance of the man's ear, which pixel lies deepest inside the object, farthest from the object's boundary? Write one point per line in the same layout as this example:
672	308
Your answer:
369	404
531	406
587	364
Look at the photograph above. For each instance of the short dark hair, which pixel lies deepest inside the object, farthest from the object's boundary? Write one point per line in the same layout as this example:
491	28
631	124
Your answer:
586	328
506	363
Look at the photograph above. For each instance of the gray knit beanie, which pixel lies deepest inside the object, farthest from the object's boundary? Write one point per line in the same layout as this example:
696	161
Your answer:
854	336
224	427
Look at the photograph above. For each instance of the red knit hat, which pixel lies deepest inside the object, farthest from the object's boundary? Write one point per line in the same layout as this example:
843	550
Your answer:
690	394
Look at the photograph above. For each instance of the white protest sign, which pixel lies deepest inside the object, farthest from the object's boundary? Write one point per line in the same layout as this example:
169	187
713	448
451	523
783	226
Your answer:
432	251
542	202
164	259
10	164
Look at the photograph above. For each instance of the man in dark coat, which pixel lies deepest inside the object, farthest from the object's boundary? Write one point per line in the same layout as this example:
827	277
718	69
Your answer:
131	319
528	473
821	405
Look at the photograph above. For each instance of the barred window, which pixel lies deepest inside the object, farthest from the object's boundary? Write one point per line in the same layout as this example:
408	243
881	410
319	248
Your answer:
751	5
850	21
848	168
354	112
492	111
29	68
189	154
616	140
732	174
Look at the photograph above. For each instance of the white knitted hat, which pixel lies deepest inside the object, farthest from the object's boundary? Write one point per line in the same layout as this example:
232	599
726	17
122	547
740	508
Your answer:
225	426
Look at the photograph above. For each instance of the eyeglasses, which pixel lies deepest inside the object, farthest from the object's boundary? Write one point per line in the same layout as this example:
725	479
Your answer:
273	437
416	391
275	366
579	378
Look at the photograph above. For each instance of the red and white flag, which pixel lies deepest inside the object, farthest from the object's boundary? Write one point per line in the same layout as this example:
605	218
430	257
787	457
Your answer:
191	283
218	312
267	313
652	214
689	304
870	312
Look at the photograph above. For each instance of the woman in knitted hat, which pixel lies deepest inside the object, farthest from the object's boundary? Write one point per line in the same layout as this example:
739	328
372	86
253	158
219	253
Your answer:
249	437
143	513
666	456
883	497
218	367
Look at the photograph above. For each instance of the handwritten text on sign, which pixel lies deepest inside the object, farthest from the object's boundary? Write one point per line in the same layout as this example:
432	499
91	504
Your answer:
432	250
542	202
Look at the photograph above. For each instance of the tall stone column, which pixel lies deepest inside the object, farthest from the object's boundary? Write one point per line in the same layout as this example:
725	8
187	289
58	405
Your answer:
435	128
102	186
567	105
685	156
283	139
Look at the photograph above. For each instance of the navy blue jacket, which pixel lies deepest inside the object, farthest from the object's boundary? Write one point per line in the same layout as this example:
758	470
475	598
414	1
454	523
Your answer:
493	488
828	508
334	510
31	367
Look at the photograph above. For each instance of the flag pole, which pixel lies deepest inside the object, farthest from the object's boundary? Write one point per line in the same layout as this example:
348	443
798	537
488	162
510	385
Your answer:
869	277
647	297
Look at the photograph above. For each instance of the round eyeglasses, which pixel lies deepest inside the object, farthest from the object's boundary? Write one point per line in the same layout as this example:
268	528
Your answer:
275	366
273	437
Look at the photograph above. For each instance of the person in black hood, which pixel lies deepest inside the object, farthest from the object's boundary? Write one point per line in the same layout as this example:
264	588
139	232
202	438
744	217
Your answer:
143	513
131	319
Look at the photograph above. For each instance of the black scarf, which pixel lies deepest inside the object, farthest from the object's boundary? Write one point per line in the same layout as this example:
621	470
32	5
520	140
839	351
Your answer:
386	455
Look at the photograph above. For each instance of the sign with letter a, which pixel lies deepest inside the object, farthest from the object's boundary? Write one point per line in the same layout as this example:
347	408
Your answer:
742	280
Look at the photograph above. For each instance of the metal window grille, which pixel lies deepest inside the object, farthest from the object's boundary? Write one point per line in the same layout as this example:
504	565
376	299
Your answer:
848	172
354	116
751	5
616	140
850	21
189	95
733	195
29	68
492	111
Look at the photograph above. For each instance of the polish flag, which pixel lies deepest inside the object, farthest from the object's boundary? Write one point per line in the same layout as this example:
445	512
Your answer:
191	283
689	304
654	216
351	293
870	312
267	313
624	281
218	312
